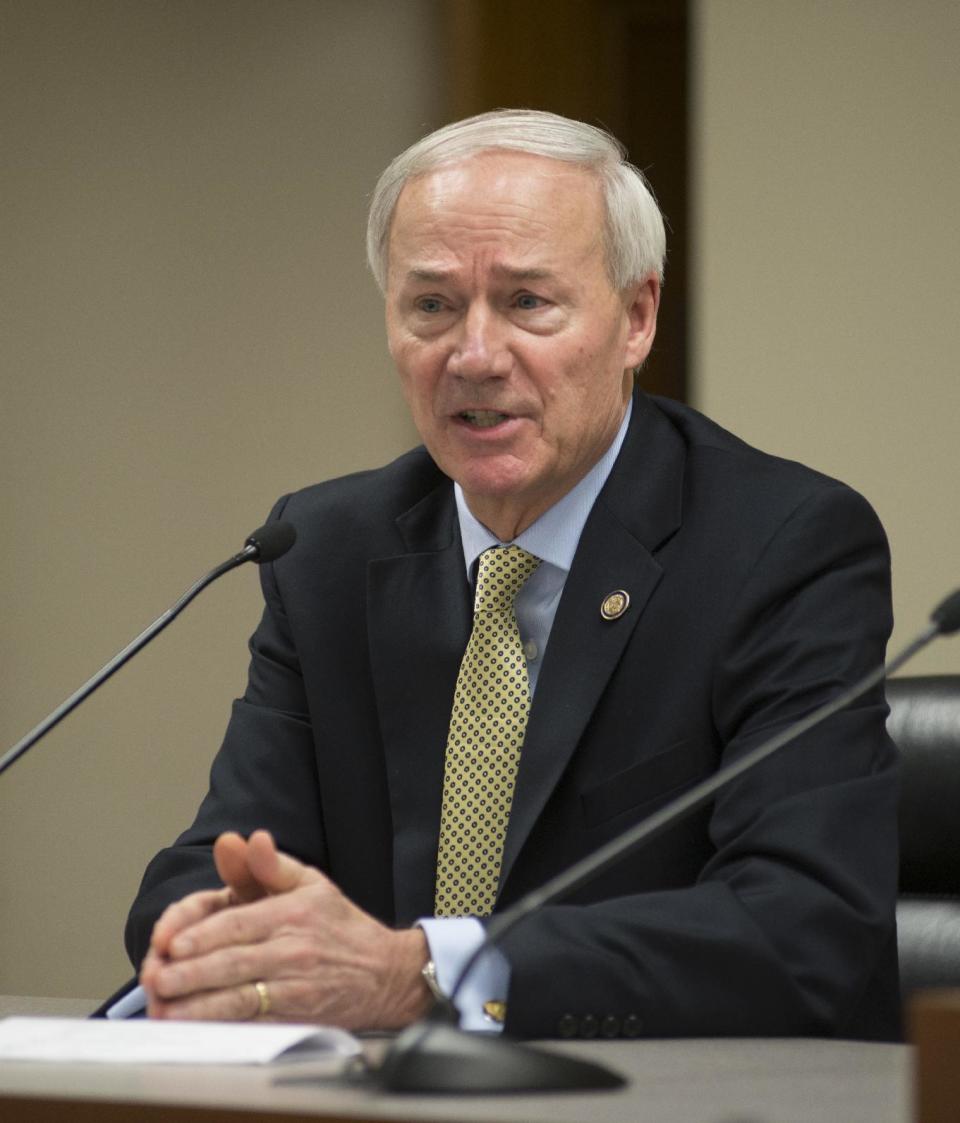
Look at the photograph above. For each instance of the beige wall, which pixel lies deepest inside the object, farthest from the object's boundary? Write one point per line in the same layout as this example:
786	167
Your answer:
188	331
827	323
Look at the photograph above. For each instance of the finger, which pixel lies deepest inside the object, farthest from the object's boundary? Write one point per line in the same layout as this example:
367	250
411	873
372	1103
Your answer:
231	927
184	913
149	973
234	1004
219	970
148	970
275	871
230	857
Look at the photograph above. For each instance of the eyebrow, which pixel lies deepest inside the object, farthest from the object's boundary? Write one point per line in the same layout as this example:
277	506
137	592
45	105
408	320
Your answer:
512	273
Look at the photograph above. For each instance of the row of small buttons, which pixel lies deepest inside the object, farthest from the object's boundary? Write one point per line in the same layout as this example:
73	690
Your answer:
589	1025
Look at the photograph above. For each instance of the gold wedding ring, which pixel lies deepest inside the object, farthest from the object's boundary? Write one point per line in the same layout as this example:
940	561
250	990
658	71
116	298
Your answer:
263	998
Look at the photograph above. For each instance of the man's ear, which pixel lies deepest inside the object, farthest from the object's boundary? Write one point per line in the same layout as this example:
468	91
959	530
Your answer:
643	301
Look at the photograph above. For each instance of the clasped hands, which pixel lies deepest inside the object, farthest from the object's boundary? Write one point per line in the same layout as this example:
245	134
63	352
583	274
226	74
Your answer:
286	926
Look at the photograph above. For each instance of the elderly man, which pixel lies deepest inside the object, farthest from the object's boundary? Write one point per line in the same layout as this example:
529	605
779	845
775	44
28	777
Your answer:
488	658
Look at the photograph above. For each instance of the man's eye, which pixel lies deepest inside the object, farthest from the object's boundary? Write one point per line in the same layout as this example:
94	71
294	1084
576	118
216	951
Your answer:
527	301
430	305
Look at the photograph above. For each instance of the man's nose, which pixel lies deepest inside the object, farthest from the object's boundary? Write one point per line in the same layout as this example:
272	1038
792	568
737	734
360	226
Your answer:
480	350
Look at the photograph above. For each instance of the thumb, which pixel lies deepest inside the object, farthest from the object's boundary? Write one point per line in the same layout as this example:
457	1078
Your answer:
275	871
230	857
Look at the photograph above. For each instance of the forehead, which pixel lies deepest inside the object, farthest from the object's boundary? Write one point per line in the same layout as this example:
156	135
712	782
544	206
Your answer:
508	205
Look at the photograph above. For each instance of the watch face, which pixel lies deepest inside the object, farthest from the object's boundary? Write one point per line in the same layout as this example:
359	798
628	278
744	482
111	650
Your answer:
429	975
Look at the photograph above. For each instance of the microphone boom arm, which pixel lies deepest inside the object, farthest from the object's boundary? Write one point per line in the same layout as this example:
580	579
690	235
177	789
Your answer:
434	1055
684	804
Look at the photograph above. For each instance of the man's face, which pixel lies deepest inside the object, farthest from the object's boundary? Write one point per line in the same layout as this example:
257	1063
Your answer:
514	350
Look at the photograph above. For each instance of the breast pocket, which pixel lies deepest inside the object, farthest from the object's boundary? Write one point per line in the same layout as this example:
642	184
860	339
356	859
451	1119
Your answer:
643	786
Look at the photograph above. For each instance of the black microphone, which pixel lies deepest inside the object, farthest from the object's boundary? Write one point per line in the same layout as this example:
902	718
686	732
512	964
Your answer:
946	615
266	544
435	1055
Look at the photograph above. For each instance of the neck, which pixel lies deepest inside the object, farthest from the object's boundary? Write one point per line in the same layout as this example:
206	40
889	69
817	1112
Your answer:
504	519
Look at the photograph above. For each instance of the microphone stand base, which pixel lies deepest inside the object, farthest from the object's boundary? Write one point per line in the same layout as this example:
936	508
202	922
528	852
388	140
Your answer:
432	1056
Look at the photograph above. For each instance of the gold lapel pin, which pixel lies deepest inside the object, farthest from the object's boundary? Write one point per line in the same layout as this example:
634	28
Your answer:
615	604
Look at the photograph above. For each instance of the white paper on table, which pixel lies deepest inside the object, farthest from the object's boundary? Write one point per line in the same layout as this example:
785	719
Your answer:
167	1042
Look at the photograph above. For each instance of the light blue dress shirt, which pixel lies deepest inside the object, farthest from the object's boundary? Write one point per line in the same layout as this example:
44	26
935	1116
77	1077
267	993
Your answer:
554	538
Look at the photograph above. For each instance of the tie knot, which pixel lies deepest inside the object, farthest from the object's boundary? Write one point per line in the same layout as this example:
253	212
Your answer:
501	573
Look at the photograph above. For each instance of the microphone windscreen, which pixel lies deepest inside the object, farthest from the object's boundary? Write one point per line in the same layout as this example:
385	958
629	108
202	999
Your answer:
272	541
947	614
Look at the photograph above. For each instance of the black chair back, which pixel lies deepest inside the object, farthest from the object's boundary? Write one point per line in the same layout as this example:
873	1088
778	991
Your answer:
925	724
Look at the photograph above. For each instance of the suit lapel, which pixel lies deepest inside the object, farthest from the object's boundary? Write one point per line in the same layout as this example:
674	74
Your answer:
419	620
638	509
418	624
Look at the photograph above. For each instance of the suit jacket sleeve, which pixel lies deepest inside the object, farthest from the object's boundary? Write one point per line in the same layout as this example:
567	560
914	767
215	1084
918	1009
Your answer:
304	753
264	776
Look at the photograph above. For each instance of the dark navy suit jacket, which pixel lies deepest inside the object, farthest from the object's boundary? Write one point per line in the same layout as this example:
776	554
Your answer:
758	590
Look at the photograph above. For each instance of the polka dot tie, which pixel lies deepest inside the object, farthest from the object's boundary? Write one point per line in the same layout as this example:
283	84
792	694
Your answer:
490	708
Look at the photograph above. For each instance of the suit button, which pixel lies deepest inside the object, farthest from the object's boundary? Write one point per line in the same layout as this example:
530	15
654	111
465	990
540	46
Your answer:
632	1026
610	1026
567	1026
589	1026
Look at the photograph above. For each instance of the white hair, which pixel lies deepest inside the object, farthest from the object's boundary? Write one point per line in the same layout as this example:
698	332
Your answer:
635	240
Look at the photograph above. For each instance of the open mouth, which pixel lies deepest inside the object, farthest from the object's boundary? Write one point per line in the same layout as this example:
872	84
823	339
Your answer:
482	418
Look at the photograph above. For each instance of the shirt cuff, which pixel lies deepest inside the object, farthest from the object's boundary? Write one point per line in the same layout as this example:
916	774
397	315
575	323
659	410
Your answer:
452	940
134	1002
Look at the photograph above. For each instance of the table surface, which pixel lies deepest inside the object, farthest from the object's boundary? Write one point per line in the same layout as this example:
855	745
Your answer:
684	1081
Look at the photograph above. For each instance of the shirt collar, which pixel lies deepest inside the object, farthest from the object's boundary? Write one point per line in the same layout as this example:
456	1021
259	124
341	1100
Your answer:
555	535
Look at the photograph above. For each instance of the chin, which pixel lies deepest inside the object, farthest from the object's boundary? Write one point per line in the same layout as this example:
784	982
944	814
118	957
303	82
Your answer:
491	484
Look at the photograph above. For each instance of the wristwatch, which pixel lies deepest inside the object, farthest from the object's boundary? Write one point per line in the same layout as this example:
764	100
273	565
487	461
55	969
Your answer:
428	972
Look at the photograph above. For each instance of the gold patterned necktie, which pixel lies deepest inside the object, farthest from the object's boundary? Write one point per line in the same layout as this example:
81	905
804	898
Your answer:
489	718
